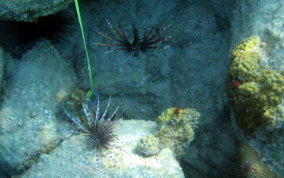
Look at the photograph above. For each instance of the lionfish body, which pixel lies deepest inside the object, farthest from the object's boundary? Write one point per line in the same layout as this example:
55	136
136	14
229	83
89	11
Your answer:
149	40
99	129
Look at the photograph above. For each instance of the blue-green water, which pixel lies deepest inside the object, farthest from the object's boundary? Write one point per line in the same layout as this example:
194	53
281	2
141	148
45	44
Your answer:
189	104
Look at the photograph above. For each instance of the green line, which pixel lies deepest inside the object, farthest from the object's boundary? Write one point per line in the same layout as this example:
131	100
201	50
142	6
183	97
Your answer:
85	45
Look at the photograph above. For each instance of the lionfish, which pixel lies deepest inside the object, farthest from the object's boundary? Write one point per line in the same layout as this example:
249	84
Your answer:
98	129
150	38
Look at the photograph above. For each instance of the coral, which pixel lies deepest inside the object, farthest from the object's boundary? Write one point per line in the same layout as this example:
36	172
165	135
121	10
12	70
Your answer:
148	146
255	90
176	128
176	113
251	165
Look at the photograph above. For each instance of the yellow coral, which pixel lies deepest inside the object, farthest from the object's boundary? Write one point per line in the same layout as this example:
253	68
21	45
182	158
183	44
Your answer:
166	115
176	128
260	92
251	165
246	46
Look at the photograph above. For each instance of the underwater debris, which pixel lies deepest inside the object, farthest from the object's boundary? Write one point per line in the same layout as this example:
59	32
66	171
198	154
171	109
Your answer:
151	37
98	129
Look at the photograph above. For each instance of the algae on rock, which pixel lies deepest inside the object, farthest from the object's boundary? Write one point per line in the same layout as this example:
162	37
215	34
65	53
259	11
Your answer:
176	128
175	131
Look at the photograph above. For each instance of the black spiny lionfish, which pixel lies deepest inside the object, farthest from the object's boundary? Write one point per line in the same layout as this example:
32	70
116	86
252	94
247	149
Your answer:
149	39
98	129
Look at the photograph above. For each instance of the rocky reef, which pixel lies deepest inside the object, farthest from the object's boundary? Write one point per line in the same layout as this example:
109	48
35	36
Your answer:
256	92
256	83
72	158
30	10
243	138
34	137
29	125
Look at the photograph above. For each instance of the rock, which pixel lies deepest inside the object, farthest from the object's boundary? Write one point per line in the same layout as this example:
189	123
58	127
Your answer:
1	66
263	19
72	158
28	125
30	10
191	72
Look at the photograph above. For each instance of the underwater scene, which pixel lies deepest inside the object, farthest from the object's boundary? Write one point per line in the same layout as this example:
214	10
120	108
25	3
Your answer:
141	89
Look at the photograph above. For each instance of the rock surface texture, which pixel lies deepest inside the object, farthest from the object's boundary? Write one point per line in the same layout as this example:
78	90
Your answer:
30	10
72	159
28	125
1	66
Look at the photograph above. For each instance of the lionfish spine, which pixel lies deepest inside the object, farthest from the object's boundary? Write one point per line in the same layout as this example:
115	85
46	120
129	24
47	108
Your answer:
75	120
87	113
104	114
109	119
97	111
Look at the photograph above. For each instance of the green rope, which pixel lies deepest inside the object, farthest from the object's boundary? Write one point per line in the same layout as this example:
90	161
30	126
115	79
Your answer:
85	45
